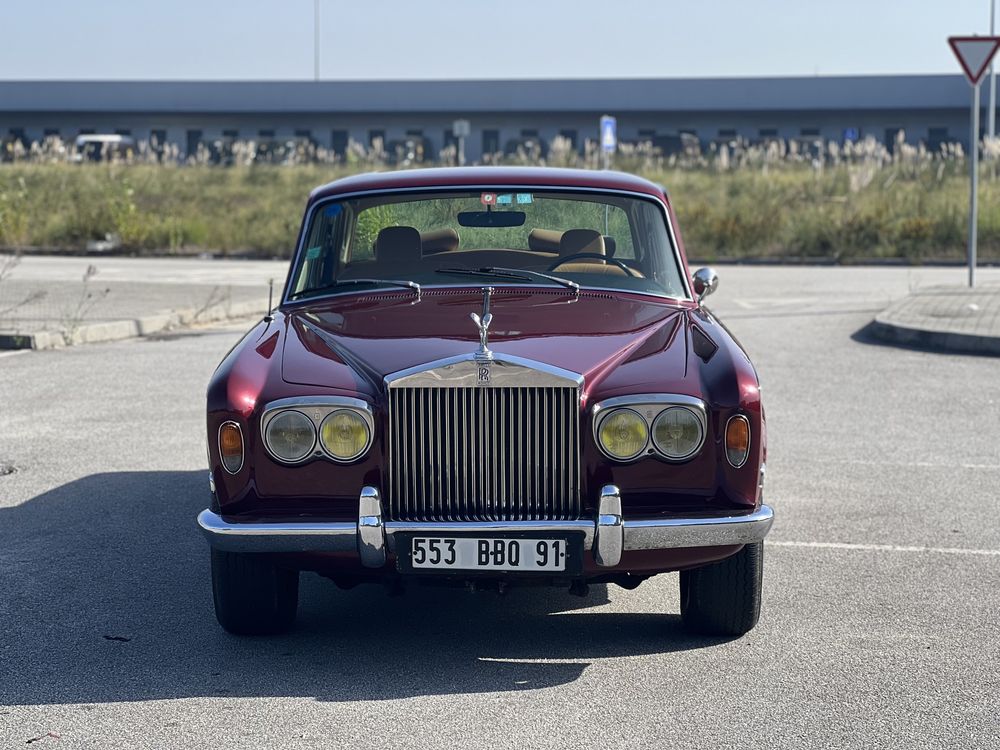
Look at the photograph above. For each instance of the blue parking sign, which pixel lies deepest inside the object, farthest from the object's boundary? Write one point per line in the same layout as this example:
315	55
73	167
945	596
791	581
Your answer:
609	134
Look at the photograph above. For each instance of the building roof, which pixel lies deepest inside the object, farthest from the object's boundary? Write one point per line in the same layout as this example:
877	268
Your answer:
487	177
579	95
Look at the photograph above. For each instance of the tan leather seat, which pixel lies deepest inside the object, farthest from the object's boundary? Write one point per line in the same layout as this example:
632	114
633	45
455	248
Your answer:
574	241
398	246
439	241
544	240
587	241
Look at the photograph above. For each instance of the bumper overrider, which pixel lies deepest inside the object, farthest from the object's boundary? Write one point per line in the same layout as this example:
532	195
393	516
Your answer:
606	536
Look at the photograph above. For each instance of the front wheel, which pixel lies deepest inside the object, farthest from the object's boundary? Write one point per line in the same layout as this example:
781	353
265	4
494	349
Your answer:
724	598
252	595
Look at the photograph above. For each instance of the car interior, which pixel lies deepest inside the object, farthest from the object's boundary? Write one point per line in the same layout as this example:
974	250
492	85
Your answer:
613	242
403	249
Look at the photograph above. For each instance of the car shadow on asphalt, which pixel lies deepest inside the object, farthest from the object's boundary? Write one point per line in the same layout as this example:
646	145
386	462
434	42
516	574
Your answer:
106	598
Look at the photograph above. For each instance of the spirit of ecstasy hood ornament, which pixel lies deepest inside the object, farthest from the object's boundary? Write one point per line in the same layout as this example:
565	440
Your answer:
484	325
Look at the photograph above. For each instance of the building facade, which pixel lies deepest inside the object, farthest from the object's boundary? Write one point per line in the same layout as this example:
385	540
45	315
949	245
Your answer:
932	109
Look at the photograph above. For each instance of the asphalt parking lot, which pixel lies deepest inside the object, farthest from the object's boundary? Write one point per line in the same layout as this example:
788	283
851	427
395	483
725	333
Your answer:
882	572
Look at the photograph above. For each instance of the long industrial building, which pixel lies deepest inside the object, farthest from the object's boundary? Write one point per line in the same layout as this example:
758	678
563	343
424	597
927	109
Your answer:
932	109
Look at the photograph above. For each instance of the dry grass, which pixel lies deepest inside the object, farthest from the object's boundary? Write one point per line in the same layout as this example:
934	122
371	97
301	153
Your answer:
775	200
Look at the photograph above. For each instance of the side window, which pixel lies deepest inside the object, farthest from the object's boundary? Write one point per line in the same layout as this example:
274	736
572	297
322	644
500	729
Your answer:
370	222
321	253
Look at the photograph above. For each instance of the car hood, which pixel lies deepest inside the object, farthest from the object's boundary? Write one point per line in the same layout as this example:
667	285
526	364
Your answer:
618	342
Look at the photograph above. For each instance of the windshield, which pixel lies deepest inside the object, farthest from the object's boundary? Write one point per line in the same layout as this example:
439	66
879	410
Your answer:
588	239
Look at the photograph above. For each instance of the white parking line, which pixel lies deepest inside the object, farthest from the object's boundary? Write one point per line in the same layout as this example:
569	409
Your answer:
755	303
887	548
907	464
13	352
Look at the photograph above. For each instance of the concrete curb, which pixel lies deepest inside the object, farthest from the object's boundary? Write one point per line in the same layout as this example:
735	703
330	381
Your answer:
885	329
115	330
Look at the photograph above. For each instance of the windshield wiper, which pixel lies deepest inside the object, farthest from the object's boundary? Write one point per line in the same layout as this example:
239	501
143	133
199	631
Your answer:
520	274
350	282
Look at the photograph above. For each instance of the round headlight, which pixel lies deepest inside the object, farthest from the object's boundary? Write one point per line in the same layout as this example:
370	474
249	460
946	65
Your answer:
344	434
623	434
677	432
290	436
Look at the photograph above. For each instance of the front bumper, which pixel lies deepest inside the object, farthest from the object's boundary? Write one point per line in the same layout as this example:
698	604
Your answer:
606	536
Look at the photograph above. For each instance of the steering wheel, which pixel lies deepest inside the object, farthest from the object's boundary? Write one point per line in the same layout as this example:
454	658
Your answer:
575	256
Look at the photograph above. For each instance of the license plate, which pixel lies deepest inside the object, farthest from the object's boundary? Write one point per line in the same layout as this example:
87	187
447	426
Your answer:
465	553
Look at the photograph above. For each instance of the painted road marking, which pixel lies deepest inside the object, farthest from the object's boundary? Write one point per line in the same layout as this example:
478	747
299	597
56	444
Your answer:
906	464
886	548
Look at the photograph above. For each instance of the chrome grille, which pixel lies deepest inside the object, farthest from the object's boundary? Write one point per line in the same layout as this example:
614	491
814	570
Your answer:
484	454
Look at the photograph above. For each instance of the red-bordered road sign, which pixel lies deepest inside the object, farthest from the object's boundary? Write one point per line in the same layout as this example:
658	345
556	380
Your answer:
974	54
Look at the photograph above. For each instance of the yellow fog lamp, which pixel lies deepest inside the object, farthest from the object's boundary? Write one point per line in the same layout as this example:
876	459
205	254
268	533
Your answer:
344	435
623	434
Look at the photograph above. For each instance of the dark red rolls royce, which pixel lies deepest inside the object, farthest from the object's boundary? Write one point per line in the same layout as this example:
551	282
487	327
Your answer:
488	377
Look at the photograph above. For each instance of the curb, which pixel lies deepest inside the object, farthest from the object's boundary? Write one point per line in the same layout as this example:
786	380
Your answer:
116	330
885	330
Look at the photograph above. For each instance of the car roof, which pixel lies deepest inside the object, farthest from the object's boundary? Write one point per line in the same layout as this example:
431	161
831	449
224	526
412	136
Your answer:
489	177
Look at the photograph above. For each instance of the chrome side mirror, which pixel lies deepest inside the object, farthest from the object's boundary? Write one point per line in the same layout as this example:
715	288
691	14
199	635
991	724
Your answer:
706	281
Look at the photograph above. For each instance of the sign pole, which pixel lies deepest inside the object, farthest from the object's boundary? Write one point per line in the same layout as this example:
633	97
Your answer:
316	40
461	129
609	139
991	121
974	185
974	53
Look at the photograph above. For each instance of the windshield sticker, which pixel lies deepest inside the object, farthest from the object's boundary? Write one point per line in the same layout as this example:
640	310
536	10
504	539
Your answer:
333	210
505	200
523	198
488	199
314	252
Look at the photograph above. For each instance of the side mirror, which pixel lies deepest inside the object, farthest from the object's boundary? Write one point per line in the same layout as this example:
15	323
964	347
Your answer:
706	281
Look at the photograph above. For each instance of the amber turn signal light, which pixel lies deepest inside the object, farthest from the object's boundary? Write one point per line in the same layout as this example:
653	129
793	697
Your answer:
231	446
738	440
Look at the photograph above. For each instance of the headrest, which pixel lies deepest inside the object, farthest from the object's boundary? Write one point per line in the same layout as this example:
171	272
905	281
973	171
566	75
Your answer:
397	244
610	246
544	240
439	241
581	241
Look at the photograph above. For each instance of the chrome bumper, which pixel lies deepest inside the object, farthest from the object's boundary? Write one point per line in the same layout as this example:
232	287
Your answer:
606	536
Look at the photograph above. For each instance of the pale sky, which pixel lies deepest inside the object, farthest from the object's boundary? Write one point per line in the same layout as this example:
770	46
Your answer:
378	39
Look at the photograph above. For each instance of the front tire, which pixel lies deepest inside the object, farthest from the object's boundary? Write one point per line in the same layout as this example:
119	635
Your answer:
252	595
724	598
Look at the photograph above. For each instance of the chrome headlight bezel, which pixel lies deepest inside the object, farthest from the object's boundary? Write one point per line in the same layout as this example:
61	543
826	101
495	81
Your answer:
317	409
650	406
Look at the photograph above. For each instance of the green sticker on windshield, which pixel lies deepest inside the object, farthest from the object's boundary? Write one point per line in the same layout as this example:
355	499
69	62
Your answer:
314	252
524	197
